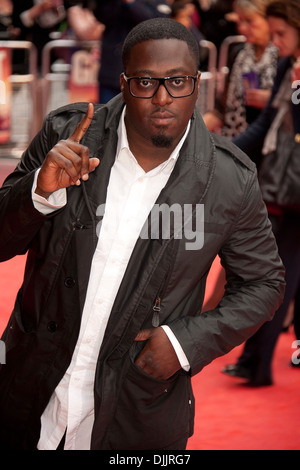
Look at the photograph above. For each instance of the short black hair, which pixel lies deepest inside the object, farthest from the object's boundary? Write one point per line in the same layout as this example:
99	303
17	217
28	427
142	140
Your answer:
160	28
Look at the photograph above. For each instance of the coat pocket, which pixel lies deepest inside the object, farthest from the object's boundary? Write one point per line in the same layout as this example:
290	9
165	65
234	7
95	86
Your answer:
152	413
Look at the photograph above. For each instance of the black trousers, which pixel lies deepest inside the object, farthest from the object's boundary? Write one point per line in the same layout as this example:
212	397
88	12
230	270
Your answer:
259	349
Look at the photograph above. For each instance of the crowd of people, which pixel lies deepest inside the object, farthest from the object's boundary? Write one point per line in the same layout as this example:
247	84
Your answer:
256	111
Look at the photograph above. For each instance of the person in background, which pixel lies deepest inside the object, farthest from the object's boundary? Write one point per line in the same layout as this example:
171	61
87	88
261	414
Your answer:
36	20
7	31
82	21
281	118
119	17
215	22
183	11
251	76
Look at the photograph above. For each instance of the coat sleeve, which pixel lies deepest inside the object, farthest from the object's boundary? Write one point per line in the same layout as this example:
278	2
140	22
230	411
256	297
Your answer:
253	292
19	220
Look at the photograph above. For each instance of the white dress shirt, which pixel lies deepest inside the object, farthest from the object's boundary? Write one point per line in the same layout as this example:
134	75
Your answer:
131	195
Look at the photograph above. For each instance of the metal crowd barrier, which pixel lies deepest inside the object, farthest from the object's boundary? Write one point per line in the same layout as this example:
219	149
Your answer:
24	110
207	92
223	69
56	76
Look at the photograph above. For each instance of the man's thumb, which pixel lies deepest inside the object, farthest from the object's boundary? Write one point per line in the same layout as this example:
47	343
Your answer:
143	335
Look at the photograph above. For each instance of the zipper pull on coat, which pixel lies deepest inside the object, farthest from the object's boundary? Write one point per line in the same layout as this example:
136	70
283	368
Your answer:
156	310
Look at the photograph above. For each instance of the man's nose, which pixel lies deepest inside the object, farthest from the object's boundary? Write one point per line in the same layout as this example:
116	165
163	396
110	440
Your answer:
162	96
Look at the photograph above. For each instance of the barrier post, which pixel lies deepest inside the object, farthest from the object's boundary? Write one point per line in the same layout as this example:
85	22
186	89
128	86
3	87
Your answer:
223	69
206	99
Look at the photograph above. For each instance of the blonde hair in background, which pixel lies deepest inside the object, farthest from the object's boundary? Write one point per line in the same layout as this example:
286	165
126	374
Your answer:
255	6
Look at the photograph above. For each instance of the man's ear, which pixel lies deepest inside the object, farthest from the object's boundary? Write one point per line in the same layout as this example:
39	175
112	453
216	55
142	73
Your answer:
198	83
122	84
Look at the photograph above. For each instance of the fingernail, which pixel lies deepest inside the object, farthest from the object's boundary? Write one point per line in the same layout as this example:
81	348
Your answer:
85	177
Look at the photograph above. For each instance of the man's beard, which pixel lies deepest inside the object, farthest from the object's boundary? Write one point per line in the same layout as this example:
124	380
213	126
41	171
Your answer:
162	141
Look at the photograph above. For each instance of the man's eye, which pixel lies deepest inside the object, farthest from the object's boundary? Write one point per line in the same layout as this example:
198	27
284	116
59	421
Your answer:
177	82
145	83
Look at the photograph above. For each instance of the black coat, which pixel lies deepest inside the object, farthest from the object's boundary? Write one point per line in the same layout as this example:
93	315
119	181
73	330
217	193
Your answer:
132	410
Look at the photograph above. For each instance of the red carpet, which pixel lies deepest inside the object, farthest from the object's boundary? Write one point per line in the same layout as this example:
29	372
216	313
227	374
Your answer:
229	415
232	416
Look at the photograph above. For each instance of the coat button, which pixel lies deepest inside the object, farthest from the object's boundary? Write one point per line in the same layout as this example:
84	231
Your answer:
69	282
52	326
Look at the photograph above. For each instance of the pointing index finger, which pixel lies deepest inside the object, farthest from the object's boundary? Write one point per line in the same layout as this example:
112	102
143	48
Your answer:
83	126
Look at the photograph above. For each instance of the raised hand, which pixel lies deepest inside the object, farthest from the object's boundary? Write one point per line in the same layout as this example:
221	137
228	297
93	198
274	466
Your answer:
68	161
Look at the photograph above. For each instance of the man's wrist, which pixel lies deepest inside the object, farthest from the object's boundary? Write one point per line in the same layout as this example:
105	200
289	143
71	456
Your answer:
47	205
41	193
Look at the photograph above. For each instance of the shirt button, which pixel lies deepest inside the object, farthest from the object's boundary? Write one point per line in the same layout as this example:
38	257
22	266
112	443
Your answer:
52	326
69	282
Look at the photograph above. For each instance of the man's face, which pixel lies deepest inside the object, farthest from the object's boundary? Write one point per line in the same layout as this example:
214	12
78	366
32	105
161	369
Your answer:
162	119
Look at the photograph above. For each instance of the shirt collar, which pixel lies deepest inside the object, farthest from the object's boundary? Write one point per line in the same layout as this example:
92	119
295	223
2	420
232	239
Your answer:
167	165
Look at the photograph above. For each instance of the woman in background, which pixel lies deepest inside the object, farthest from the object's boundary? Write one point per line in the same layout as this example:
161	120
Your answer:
279	122
251	76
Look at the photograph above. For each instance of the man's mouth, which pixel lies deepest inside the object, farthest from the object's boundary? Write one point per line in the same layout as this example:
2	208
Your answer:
161	118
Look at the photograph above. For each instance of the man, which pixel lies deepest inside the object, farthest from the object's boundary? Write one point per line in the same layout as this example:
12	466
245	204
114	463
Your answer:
107	332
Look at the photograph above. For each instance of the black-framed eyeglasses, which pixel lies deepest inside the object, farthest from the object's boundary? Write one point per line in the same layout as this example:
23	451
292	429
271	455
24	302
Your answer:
146	87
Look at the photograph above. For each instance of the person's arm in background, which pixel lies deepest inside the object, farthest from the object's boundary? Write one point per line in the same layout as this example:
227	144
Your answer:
253	137
139	10
29	16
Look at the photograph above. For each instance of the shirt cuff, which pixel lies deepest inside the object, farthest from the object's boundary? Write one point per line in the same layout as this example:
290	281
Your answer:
55	201
177	347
